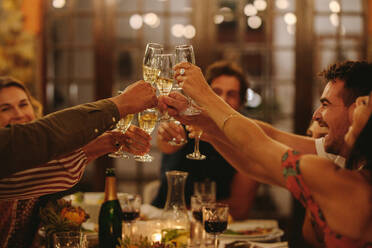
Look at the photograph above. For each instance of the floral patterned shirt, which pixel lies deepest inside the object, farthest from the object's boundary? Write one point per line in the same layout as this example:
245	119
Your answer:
295	183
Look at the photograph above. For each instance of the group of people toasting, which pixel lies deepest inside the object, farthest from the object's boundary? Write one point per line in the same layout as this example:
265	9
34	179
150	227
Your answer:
338	199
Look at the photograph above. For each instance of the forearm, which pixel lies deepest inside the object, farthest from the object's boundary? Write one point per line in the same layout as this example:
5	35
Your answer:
249	139
99	147
26	146
238	160
301	143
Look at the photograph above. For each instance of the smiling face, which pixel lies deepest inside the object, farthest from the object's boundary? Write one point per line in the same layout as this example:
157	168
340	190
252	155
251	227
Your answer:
15	106
228	88
361	115
333	114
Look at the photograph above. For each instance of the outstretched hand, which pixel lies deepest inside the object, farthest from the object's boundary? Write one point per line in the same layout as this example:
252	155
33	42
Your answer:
134	140
137	97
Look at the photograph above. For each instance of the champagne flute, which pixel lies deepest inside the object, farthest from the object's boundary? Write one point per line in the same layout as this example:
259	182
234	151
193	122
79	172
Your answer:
164	63
147	121
149	72
196	155
122	126
185	53
215	216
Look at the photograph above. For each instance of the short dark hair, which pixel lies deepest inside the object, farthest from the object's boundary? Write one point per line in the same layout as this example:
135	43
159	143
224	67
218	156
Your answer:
357	76
228	68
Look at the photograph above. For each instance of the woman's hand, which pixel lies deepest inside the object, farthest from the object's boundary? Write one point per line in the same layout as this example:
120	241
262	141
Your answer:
169	130
191	78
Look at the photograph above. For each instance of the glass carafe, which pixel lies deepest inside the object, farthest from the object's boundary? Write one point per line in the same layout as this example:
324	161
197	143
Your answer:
175	214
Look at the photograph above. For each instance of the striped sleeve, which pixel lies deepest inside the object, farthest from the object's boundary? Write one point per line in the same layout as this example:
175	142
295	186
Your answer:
55	176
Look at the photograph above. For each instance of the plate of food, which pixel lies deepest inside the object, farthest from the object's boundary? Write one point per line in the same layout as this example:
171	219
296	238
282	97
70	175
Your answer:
255	230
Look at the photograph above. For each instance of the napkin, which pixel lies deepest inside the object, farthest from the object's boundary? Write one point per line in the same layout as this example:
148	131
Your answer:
151	212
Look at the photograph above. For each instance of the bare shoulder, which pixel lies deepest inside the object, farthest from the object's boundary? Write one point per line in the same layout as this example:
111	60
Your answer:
324	175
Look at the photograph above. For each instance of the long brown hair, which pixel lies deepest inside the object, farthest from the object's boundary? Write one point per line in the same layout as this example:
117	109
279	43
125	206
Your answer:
6	82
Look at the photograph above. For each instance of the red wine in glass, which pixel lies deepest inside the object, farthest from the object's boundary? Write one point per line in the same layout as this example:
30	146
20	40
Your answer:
215	227
130	216
198	215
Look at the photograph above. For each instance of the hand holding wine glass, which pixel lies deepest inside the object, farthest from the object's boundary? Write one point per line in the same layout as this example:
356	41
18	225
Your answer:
215	216
122	126
185	53
172	132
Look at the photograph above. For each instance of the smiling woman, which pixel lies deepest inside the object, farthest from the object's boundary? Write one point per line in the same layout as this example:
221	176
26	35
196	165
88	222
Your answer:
16	103
20	192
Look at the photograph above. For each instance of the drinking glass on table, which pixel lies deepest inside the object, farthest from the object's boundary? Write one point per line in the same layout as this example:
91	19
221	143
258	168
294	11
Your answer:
196	155
122	126
130	206
71	239
147	121
185	53
215	216
198	235
163	64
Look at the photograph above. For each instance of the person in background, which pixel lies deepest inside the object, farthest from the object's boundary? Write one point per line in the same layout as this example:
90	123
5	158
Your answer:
343	223
66	130
228	82
20	192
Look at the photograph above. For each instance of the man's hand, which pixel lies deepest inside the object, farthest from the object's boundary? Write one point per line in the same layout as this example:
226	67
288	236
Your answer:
135	98
134	140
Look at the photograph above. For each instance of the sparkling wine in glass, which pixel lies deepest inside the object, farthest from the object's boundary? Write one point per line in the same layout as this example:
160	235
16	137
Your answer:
146	121
196	155
164	63
185	53
122	126
149	72
215	216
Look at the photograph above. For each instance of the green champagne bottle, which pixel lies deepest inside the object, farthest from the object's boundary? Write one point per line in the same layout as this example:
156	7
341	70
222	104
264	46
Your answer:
109	223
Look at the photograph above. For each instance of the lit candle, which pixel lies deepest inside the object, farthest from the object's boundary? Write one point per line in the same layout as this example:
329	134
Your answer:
156	237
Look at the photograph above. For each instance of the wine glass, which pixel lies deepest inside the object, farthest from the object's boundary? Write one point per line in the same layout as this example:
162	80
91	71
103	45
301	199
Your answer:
122	126
130	206
147	121
185	53
73	239
215	216
163	64
149	72
196	155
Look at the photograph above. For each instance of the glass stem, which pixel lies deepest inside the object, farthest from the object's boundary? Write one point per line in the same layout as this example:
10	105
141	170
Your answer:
215	241
196	147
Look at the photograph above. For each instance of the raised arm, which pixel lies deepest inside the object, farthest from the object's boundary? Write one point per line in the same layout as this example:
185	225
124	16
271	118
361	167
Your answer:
28	145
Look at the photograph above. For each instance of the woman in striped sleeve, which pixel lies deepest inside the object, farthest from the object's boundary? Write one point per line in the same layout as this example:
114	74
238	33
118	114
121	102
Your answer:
20	192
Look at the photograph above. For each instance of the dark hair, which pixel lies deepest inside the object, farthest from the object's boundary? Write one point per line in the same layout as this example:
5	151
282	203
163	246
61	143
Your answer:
223	67
361	151
357	76
6	82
